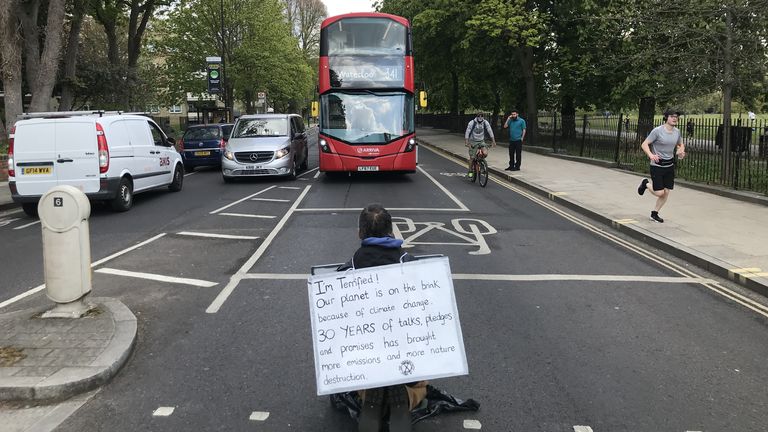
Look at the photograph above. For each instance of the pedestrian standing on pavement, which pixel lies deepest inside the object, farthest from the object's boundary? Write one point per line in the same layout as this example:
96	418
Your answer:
661	145
516	126
379	247
474	138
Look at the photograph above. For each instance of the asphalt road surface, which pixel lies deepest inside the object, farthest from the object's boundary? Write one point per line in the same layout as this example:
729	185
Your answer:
577	330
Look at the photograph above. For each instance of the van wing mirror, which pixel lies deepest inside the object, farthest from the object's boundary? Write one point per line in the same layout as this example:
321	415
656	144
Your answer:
171	141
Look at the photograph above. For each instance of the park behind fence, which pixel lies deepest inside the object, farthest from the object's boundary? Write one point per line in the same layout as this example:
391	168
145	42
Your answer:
618	138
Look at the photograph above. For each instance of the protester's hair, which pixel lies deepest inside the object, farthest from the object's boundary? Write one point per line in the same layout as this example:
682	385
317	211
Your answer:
375	221
514	110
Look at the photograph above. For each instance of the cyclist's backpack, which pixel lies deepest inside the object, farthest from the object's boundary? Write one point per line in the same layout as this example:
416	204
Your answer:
485	132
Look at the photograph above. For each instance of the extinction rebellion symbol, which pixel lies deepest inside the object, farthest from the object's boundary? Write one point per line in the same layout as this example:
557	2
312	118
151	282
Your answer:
407	367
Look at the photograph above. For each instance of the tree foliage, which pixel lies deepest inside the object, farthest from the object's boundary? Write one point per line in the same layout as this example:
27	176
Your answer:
259	51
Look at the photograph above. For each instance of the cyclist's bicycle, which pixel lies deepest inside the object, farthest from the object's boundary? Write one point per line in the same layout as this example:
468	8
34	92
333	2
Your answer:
479	168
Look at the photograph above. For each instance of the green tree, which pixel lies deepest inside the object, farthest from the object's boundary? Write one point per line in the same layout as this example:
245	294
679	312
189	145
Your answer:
259	51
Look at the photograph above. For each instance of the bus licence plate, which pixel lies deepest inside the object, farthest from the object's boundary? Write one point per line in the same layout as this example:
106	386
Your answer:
36	170
368	168
202	153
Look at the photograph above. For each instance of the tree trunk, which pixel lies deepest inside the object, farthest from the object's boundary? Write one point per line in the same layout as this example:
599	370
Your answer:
645	117
42	87
525	55
70	58
568	114
10	50
454	93
28	16
726	173
137	24
496	105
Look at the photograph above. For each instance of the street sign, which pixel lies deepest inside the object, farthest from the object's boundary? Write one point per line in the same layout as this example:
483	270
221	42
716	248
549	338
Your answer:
215	69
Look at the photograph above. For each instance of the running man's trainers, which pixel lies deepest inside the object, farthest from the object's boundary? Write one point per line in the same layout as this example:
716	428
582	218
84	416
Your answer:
656	218
643	186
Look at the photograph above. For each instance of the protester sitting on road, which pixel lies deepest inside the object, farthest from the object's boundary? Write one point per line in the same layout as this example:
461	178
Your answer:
664	140
474	138
379	247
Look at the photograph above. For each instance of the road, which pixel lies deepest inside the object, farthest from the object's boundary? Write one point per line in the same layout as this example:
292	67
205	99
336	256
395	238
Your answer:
579	327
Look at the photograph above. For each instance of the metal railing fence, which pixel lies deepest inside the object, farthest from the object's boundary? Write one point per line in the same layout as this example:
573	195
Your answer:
618	138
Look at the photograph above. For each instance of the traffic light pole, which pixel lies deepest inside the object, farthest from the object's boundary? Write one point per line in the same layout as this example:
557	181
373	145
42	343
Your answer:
224	65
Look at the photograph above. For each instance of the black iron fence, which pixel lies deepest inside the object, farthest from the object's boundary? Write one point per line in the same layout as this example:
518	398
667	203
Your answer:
618	138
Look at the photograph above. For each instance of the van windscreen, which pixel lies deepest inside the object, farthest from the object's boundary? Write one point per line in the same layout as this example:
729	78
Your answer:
260	127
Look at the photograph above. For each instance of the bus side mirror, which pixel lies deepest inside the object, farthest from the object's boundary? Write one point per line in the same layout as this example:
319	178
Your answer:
315	109
423	99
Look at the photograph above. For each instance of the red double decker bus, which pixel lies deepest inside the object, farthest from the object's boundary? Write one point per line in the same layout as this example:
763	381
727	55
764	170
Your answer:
366	88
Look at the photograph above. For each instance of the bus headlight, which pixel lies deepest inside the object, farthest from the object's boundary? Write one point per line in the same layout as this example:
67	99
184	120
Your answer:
411	145
283	152
324	146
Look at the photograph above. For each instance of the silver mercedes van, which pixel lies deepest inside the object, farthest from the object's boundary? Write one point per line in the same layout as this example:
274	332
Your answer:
265	145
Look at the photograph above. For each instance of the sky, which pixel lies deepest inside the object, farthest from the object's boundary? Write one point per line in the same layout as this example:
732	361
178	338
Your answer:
336	7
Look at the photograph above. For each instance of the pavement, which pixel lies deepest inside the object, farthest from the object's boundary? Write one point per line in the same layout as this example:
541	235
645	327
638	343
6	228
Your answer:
51	359
722	231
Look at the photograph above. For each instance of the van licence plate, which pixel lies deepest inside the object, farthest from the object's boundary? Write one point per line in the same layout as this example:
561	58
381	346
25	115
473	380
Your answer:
202	153
253	167
368	168
36	170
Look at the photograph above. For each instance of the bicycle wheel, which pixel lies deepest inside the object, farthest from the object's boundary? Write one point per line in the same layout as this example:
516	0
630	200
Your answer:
482	173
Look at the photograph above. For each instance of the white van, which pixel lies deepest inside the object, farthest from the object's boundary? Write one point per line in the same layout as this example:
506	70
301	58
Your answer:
109	157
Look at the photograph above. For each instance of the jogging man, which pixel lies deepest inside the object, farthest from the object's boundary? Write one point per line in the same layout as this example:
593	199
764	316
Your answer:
667	142
474	138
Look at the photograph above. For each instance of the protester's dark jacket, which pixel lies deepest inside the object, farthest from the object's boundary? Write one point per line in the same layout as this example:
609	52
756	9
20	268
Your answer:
376	251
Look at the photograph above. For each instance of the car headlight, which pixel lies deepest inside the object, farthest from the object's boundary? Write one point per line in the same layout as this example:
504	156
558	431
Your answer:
283	152
228	154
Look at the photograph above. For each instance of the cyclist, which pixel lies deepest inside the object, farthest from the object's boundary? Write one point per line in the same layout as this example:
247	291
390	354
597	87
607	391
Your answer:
474	138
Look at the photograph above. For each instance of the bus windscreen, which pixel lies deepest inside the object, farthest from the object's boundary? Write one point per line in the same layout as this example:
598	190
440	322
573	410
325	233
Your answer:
366	117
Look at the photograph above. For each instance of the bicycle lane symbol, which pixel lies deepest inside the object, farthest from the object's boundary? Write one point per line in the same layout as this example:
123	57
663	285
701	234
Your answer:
472	232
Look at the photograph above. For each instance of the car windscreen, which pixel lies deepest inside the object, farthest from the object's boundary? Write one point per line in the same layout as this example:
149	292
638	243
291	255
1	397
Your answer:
366	117
260	127
203	133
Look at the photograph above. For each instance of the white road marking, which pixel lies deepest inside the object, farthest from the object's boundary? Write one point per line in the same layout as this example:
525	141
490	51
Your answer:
357	209
241	200
248	215
237	277
163	411
582	429
189	174
221	236
259	416
521	278
39	288
4	222
472	424
289	187
157	277
317	175
270	199
124	251
10	212
307	172
446	191
27	225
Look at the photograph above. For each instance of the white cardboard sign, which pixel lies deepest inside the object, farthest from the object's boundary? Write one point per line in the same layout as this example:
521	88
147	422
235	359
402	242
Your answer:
385	325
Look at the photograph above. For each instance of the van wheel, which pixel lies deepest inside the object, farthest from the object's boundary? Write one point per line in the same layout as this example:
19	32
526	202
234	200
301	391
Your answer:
305	164
124	199
30	209
292	173
178	179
